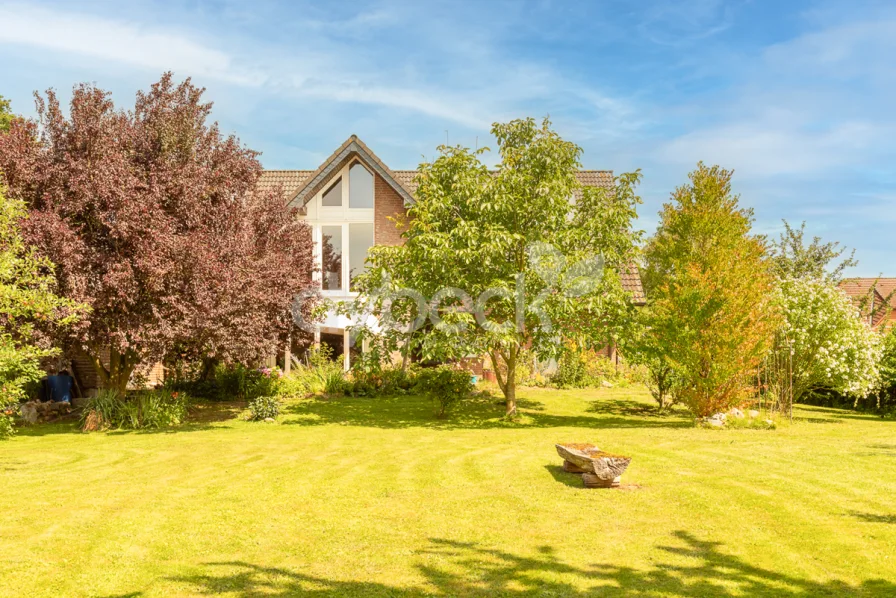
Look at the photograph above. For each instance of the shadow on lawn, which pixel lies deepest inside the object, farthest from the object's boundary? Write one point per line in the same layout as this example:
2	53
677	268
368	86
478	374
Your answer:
873	517
832	414
466	569
573	480
480	412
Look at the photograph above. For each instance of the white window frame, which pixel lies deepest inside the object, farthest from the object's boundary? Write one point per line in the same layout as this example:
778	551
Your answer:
340	216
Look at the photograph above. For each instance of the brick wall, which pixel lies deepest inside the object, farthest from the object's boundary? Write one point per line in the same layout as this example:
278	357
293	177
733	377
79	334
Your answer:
387	204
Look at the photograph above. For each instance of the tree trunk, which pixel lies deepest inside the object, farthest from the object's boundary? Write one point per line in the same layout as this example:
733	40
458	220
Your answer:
405	352
510	395
118	374
507	383
208	368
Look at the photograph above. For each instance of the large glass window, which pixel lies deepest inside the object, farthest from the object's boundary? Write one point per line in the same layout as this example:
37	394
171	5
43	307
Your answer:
331	258
333	195
360	187
360	240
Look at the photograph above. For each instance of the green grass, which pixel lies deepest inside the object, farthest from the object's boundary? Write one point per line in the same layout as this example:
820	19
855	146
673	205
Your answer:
373	497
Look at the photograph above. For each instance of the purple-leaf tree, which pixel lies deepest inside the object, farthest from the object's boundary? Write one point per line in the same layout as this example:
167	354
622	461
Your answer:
153	220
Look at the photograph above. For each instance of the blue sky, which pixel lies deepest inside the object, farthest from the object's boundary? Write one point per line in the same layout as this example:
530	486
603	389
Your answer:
796	97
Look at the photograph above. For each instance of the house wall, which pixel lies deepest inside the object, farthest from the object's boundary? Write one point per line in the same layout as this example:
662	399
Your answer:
387	204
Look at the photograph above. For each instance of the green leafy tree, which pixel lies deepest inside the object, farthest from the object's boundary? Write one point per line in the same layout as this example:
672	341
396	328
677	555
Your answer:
711	313
791	257
6	115
28	303
886	395
504	260
642	347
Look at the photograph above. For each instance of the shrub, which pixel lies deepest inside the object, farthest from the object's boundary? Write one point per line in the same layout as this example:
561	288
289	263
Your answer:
445	386
824	342
334	382
6	427
570	369
261	408
317	373
886	393
385	382
581	368
243	383
136	411
293	385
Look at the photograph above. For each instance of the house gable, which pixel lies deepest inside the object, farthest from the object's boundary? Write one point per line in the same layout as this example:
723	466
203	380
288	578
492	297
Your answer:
352	149
394	193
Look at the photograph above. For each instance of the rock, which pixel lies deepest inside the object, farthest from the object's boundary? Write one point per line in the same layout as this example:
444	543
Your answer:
716	423
578	454
753	413
603	469
735	412
606	384
592	481
769	423
269	420
570	467
79	402
719	416
29	412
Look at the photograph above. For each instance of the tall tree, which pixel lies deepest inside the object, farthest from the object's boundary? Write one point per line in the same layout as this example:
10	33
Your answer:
792	257
503	260
710	303
152	219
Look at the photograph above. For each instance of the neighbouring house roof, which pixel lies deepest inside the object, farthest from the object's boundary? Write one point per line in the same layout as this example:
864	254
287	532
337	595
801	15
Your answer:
631	283
880	288
299	186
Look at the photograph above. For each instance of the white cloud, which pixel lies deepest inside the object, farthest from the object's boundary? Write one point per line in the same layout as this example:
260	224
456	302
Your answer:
764	148
473	91
817	102
420	101
682	22
116	41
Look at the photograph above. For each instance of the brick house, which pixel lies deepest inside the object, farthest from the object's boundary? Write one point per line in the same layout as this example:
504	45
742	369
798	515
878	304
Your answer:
876	297
353	201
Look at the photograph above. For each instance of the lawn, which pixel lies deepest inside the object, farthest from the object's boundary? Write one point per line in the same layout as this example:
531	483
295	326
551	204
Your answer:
373	497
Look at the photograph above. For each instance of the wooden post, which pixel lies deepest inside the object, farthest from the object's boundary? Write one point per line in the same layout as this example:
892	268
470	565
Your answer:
287	355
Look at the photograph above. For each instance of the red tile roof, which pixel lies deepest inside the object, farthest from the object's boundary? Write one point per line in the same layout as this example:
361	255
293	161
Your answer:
289	181
859	289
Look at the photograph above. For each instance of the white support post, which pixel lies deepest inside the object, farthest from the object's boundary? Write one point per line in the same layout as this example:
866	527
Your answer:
346	350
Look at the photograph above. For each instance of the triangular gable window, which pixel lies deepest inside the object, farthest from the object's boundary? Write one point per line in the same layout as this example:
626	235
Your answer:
333	195
360	187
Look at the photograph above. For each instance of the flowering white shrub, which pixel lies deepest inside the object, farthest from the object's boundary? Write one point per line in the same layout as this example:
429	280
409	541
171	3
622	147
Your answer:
833	346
